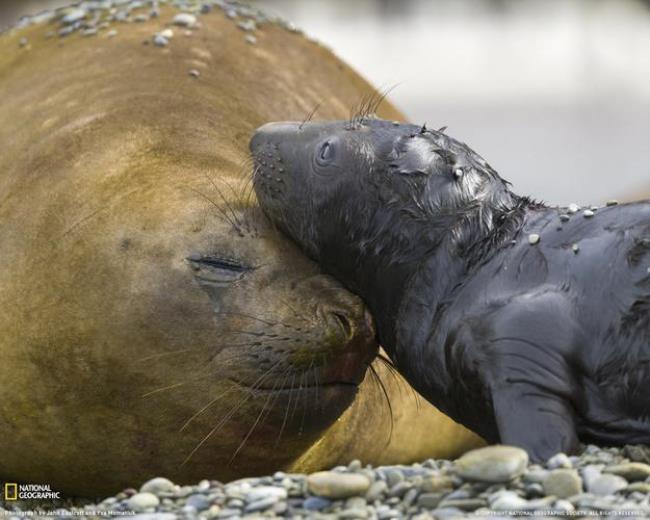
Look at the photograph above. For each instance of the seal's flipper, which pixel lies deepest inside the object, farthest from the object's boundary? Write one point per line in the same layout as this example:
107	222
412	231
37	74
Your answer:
528	373
541	423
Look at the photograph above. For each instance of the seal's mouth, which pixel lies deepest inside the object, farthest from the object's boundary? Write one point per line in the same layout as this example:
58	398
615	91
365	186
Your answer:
297	388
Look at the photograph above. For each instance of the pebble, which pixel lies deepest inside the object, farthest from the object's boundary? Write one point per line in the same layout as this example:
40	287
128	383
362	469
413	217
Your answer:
431	490
198	502
158	485
316	503
429	500
607	484
184	20
573	208
111	34
73	16
533	239
167	33
612	202
377	490
160	41
561	460
247	25
640	487
564	217
251	39
23	42
575	248
194	73
508	501
260	493
562	483
631	471
588	213
437	483
142	501
493	464
337	485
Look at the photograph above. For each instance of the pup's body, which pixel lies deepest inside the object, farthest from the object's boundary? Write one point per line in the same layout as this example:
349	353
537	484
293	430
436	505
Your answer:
528	324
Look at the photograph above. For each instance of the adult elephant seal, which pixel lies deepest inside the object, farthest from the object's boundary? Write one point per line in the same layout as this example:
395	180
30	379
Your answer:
152	322
528	324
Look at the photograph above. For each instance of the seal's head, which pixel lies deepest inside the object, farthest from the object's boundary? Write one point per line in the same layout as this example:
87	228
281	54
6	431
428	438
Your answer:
359	188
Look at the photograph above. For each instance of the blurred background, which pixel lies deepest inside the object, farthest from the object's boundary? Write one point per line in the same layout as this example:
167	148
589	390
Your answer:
555	94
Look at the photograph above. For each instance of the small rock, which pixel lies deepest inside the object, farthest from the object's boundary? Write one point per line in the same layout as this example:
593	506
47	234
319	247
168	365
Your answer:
157	485
263	492
355	503
194	73
508	501
590	473
429	500
184	20
23	42
607	484
337	485
612	202
140	18
533	239
167	33
575	248
73	16
377	490
573	208
588	213
465	504
564	217
493	464
352	514
261	504
562	483
559	461
251	39
563	506
631	471
316	503
160	41
142	501
436	483
393	476
198	502
639	487
355	465
111	34
247	25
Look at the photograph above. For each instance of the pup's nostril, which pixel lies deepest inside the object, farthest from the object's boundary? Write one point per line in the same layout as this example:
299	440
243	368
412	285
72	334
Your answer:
344	322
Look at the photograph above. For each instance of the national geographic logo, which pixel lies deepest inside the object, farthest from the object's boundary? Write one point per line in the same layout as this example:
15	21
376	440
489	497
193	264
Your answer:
15	492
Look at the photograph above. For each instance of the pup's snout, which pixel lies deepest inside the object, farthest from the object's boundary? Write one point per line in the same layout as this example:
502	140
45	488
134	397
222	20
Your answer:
272	133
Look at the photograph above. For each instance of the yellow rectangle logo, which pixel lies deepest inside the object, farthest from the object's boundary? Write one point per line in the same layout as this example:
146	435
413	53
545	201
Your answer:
11	492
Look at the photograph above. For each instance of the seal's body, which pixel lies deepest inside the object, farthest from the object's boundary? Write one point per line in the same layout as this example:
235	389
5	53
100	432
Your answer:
528	324
151	322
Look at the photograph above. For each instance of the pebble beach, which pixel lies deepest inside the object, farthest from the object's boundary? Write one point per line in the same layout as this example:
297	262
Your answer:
492	482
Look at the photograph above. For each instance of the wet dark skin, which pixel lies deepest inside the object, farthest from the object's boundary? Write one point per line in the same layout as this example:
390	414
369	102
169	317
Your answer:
528	324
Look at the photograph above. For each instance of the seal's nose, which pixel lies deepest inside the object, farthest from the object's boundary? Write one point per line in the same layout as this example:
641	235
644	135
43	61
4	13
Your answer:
272	132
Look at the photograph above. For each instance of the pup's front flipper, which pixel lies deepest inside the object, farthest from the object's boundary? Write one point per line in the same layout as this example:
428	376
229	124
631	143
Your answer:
531	383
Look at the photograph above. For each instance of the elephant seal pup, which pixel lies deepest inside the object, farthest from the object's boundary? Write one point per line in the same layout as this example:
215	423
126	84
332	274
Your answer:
153	323
528	324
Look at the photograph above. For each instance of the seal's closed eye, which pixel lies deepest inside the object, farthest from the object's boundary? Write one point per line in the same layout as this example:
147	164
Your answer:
217	270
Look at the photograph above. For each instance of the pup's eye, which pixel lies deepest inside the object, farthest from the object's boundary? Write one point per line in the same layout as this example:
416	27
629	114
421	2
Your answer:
326	153
215	270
